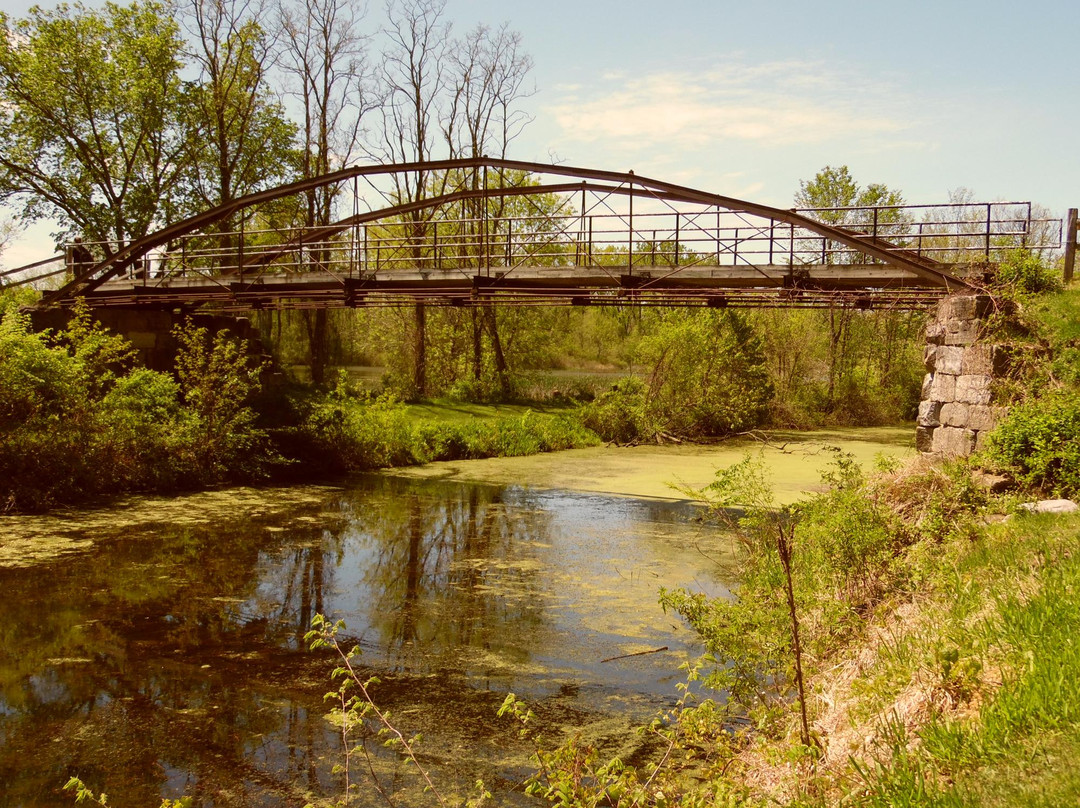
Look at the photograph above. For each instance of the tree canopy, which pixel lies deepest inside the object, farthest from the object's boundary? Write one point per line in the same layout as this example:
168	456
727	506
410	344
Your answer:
90	128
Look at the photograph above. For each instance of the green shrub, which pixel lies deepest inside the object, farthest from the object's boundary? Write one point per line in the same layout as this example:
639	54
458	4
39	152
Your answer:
708	374
1025	273
78	422
1039	442
621	415
347	429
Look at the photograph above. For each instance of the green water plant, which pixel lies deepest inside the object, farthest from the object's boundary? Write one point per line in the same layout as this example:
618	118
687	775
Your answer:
84	794
355	709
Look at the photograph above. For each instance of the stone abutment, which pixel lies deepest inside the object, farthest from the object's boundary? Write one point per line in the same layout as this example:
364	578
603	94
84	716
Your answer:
957	412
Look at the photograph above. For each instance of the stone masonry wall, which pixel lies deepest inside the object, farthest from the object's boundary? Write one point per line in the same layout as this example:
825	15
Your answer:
956	413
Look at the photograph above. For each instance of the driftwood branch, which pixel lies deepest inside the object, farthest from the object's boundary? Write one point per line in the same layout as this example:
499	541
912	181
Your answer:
636	653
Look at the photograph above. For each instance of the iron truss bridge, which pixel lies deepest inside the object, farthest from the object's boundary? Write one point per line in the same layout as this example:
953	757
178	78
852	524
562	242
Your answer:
486	231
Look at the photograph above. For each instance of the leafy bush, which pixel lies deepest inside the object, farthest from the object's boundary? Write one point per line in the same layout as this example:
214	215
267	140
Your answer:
78	421
1039	442
349	430
708	379
622	414
217	380
1025	273
708	374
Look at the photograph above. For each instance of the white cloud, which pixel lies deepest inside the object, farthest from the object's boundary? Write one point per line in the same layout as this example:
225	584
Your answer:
778	103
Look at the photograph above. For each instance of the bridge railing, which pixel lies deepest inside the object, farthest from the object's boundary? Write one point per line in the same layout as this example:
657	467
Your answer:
951	233
603	238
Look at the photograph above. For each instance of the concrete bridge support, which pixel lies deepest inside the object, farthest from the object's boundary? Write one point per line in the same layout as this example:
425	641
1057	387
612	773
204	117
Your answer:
957	410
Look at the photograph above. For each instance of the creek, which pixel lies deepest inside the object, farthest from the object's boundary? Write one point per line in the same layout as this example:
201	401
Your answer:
156	647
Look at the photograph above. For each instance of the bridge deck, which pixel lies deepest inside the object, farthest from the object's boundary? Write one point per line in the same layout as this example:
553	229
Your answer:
656	285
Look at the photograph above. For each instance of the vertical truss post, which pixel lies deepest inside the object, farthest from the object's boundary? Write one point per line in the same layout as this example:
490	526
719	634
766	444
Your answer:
239	251
772	239
1070	244
630	235
734	250
484	225
437	258
676	238
354	253
986	247
365	269
718	237
580	252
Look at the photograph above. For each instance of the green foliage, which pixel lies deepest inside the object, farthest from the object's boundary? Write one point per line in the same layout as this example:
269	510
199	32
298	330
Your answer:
1023	272
708	374
217	380
88	116
850	549
1038	442
842	366
1011	751
355	709
576	775
708	379
350	430
240	140
78	421
835	188
621	414
83	793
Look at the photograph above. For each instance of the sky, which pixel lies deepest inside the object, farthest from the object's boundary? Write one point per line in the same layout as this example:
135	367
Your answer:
749	98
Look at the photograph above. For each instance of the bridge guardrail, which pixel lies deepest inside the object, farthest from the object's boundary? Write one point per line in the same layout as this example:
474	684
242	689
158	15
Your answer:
950	234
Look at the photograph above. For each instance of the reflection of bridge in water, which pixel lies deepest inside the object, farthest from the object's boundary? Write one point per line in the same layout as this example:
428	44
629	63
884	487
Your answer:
516	233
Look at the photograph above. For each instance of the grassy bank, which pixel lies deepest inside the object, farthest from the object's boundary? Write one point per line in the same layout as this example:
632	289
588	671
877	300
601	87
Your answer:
346	429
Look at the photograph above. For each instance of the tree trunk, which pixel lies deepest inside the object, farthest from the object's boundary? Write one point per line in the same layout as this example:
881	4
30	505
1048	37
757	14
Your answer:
318	344
496	346
420	350
477	345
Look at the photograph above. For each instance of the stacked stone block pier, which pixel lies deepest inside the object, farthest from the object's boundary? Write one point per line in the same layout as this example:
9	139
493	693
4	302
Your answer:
956	413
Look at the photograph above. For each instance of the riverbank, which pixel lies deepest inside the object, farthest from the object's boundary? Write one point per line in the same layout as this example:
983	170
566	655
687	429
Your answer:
937	645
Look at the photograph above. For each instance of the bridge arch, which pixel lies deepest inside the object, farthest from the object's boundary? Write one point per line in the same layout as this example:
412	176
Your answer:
713	249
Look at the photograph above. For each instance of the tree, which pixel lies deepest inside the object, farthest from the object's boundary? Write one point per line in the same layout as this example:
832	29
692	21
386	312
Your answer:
835	198
412	82
487	77
325	58
89	127
830	188
459	96
487	73
242	139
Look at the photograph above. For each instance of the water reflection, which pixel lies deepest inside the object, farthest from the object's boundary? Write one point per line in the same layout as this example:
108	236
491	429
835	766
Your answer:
168	658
